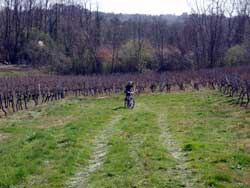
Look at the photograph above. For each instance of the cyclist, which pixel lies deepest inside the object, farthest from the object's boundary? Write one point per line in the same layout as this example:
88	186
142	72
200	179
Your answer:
129	89
129	101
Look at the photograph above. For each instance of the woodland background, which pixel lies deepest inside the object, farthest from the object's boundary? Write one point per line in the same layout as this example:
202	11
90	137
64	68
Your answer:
70	37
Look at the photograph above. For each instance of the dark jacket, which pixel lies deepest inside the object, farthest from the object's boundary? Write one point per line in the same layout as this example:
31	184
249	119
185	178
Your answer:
128	90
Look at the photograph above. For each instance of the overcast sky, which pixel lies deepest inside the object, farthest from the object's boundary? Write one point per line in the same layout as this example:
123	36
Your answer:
155	7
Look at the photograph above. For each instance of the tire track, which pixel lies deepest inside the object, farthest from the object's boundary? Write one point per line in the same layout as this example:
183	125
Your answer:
182	170
97	159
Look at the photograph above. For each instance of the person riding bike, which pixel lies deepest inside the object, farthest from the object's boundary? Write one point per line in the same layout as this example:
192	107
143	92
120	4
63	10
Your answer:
129	90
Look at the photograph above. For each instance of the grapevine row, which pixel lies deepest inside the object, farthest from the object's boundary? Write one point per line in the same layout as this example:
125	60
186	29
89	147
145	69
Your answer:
18	93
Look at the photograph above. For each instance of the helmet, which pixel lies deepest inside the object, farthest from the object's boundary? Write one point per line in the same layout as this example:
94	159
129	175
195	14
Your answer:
130	83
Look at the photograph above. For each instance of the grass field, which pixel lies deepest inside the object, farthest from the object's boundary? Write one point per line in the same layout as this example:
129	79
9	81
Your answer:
20	70
185	139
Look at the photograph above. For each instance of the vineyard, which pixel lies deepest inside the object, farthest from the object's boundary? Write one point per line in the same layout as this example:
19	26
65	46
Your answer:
170	140
124	94
184	131
18	93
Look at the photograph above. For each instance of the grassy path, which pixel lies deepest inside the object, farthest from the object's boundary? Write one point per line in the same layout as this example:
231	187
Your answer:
135	157
189	139
46	146
97	157
182	170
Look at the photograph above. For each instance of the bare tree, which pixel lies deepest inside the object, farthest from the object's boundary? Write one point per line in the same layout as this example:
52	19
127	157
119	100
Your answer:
209	17
160	33
242	17
115	40
138	41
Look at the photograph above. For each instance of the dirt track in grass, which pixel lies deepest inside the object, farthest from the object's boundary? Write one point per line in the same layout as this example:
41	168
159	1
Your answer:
182	169
100	149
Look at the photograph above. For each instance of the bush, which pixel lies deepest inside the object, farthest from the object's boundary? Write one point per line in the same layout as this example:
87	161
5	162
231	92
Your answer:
134	61
188	147
235	56
174	60
41	50
104	56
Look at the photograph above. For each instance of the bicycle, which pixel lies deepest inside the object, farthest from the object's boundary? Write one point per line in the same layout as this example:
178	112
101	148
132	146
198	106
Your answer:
129	101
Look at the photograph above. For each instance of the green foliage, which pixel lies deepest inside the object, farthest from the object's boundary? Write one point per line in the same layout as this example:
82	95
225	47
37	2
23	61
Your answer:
235	55
136	55
41	50
242	160
188	147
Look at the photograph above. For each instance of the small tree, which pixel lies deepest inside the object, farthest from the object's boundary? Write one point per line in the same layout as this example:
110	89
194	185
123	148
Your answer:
129	56
235	55
105	56
175	60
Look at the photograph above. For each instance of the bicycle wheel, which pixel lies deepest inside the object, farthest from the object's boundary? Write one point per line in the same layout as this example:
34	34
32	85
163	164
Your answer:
131	103
126	105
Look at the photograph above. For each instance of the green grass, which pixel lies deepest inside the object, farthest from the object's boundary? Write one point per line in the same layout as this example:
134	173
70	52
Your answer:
20	70
46	146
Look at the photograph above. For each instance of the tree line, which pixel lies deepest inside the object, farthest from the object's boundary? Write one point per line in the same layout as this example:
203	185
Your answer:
72	37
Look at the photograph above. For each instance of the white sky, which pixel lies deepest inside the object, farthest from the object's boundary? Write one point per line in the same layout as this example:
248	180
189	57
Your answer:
154	7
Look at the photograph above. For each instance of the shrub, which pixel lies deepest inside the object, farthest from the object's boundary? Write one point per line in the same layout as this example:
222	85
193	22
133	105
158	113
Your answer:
136	58
174	60
188	147
104	55
41	50
235	56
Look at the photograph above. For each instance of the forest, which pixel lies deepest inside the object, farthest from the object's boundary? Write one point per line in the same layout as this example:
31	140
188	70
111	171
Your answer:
74	37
